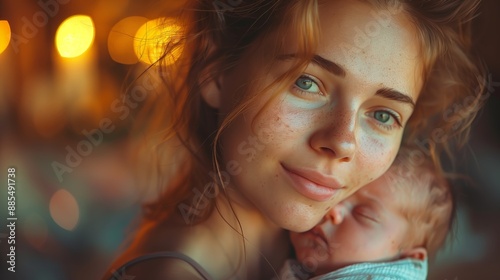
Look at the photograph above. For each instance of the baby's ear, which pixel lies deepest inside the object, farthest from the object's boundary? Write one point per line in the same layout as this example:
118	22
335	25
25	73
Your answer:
419	253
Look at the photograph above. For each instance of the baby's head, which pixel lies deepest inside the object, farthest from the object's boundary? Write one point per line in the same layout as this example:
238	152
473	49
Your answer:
406	213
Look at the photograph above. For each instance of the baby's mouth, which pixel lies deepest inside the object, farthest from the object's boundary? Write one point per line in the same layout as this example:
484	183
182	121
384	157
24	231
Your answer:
320	237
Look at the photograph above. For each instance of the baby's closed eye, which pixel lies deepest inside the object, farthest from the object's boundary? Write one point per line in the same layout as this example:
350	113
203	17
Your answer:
366	213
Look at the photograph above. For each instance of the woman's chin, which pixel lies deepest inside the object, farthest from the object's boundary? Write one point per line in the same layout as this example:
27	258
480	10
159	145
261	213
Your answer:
299	223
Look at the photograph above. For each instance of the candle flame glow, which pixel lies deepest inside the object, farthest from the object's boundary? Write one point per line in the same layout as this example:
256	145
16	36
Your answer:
75	36
4	35
153	36
121	39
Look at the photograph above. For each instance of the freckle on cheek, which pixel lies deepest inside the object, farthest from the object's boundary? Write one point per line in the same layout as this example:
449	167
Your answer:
376	149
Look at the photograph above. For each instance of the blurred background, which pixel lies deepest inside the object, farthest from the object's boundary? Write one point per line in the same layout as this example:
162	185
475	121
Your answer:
69	91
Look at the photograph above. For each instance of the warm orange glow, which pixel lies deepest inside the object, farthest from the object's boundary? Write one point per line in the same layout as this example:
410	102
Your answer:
4	35
151	38
121	39
45	105
64	209
75	36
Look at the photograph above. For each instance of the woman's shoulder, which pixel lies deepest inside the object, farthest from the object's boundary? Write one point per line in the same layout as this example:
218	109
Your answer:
159	251
160	265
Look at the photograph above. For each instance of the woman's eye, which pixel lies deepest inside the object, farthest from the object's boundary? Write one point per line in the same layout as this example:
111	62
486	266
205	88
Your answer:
386	119
306	85
382	116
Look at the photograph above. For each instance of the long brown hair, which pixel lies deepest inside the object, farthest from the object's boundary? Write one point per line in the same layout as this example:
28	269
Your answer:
183	130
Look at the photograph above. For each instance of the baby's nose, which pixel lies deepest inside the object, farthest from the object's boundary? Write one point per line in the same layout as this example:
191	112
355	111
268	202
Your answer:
336	214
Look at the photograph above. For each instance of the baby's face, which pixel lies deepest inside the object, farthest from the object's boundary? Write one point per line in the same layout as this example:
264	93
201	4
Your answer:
367	226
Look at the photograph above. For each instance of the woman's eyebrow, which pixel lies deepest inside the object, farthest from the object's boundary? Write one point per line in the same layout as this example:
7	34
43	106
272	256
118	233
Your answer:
395	95
337	70
320	61
328	65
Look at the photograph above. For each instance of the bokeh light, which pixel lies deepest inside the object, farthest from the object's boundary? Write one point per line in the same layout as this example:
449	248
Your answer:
153	36
75	35
4	35
64	209
121	39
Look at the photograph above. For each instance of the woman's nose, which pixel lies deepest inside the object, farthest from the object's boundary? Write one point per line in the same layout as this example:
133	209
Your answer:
336	138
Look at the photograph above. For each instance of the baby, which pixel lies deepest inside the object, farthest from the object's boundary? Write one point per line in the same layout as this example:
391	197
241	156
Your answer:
386	230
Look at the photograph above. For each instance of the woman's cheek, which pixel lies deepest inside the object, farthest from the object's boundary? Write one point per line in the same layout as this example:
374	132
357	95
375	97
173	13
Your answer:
376	153
284	119
295	101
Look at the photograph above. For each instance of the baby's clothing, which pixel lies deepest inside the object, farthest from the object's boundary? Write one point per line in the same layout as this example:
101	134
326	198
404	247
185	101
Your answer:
410	269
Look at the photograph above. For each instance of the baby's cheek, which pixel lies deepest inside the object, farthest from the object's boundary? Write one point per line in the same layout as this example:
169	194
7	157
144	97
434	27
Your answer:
395	247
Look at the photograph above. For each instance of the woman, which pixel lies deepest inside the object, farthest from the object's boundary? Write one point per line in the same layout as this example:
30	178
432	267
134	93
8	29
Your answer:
282	110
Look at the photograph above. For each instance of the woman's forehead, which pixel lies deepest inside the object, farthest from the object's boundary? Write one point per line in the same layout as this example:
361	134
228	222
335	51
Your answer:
377	49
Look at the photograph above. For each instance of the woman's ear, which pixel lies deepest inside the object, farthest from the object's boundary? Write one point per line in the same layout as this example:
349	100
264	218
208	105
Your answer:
210	89
419	253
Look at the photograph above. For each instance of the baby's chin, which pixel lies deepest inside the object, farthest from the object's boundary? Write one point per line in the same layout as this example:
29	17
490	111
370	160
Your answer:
317	264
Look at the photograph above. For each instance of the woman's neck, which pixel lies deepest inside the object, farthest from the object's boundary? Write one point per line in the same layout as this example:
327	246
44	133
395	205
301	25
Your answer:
254	246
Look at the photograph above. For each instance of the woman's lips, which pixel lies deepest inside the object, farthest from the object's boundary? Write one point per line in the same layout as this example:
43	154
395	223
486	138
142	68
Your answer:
312	184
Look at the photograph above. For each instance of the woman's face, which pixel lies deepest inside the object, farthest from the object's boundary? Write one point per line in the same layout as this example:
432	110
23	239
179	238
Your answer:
337	128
